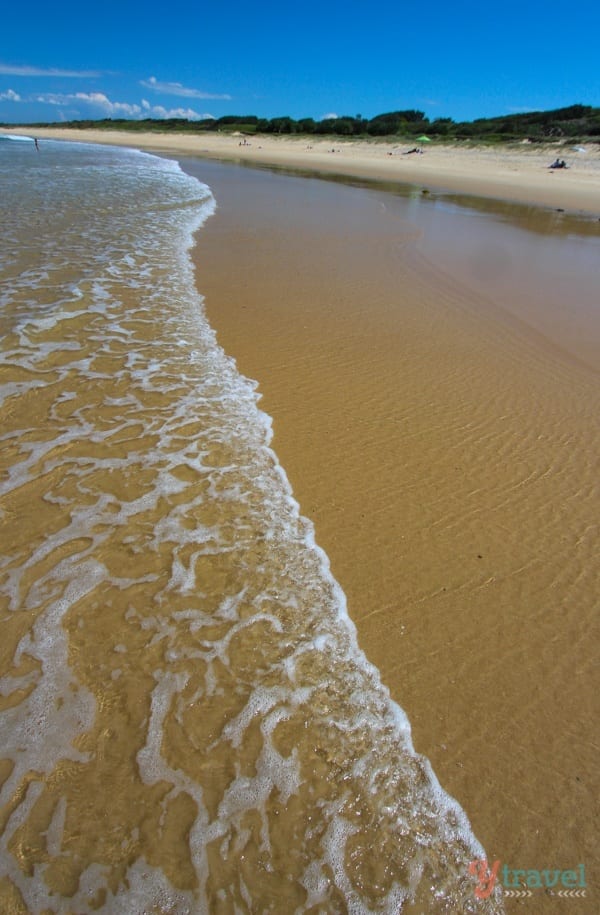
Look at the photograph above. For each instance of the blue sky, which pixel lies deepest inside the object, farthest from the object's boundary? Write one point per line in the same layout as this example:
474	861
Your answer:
125	58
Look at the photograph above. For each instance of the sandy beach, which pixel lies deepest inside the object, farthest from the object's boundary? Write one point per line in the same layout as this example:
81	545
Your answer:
518	173
443	452
444	447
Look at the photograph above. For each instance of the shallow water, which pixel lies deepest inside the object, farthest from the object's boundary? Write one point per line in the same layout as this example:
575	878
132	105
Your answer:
187	722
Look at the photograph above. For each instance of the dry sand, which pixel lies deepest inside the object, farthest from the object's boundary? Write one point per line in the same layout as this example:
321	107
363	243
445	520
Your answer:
519	172
447	454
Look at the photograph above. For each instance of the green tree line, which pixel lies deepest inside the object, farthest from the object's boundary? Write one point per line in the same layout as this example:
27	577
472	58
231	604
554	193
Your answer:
576	121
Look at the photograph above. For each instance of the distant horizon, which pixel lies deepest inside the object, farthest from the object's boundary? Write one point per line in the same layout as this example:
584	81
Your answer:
460	61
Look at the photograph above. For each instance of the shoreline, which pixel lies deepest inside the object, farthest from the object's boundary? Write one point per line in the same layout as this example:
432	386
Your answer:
427	440
518	173
445	460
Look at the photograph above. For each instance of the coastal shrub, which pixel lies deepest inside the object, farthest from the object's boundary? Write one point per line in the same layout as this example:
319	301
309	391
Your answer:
575	121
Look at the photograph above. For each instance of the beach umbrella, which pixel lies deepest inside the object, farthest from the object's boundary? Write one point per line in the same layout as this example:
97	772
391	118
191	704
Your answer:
423	140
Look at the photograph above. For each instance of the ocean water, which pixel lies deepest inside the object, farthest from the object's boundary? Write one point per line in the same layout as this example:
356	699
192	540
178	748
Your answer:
187	724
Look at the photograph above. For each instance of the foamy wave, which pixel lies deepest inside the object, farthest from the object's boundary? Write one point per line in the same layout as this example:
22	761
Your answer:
191	725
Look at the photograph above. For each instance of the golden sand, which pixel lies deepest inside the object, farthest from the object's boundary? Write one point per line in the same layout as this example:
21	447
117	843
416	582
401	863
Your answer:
448	458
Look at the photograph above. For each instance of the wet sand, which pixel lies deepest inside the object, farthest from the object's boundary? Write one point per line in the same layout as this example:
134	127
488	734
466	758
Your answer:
447	454
187	725
446	449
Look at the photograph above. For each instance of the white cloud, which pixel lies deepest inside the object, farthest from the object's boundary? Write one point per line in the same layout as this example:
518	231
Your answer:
95	99
77	101
178	89
330	117
100	100
9	70
51	98
117	109
157	111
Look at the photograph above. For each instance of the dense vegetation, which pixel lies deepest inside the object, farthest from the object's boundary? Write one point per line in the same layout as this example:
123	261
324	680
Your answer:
575	122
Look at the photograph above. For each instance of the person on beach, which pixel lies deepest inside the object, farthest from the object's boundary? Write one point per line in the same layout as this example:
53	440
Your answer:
37	145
